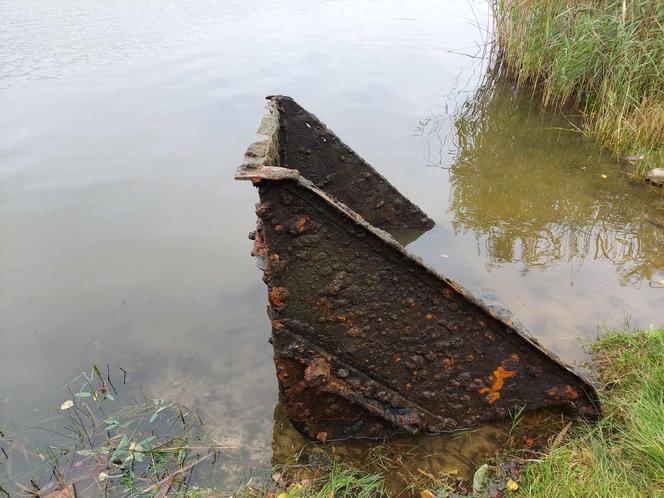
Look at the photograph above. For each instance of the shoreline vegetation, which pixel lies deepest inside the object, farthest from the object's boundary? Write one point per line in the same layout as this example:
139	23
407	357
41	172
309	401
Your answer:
603	59
621	455
155	448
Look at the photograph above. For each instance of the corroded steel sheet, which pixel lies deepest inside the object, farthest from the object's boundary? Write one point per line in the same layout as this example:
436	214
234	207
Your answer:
368	340
309	146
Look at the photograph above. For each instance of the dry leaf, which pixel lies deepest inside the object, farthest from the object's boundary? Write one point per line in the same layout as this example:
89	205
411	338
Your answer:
511	485
426	494
66	405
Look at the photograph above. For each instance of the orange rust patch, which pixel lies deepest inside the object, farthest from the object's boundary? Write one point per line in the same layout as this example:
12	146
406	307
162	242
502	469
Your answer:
352	332
571	392
341	318
567	392
515	357
409	386
278	295
301	223
429	316
277	326
447	363
278	228
499	376
397	359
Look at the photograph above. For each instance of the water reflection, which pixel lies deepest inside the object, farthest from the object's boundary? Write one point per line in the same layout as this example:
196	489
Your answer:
541	197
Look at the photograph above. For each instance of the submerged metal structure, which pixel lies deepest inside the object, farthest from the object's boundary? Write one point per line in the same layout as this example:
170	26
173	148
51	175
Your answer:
368	340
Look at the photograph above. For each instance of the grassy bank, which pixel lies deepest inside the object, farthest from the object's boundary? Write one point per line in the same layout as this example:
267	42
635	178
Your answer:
623	454
604	58
620	456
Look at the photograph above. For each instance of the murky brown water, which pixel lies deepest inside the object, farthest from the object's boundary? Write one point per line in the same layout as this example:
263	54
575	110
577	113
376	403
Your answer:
123	236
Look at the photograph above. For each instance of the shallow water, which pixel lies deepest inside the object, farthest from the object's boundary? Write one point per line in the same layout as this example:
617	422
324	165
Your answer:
123	238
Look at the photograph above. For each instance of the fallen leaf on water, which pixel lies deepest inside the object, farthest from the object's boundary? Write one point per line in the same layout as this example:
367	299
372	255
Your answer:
426	494
604	176
511	485
66	405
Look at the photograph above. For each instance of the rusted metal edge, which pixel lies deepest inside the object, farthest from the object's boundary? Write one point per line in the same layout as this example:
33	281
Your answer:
303	142
262	164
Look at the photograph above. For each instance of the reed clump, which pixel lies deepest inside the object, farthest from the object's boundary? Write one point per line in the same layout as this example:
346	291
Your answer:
604	58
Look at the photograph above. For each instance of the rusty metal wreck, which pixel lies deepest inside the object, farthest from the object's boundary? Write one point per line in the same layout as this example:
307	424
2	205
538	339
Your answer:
368	340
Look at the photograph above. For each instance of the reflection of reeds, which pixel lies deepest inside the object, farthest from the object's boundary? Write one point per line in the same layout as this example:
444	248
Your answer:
605	58
535	192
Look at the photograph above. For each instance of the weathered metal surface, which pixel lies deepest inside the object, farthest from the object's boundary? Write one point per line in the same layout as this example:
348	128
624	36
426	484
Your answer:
307	145
368	340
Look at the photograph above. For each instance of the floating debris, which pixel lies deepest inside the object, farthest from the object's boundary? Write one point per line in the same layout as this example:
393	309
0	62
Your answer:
368	340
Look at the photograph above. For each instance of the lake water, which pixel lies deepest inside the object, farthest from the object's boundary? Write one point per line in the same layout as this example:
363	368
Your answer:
123	237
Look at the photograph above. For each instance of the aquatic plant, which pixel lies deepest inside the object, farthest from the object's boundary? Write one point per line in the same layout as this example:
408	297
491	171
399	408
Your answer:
110	445
331	478
604	58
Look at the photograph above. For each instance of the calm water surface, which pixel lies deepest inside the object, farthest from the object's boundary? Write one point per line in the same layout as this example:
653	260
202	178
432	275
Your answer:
123	238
